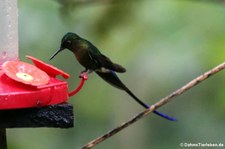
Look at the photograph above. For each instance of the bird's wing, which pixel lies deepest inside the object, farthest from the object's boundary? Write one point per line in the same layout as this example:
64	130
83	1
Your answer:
112	79
104	62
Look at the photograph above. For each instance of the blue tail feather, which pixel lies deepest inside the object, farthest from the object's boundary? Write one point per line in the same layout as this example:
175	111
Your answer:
114	80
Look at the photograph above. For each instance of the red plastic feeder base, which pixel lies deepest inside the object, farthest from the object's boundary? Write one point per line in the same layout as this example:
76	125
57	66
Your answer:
23	85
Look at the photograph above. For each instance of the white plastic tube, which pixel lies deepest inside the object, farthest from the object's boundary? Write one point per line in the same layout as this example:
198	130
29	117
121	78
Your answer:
8	30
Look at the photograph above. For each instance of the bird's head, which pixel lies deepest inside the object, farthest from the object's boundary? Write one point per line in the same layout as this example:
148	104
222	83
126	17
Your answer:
69	41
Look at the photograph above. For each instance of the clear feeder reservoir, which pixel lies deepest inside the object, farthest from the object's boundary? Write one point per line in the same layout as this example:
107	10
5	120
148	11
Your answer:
8	30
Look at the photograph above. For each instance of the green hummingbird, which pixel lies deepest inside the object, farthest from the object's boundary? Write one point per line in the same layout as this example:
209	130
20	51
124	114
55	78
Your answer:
93	60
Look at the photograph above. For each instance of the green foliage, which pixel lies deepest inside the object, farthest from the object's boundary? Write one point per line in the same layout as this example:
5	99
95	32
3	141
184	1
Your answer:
162	43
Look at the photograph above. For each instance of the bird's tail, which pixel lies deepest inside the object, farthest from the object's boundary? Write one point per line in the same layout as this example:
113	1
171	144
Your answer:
114	80
147	106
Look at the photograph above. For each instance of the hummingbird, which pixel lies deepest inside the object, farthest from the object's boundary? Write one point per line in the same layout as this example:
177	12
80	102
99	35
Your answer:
93	60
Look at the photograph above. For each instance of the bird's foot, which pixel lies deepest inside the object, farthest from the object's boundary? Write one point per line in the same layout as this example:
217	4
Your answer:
84	75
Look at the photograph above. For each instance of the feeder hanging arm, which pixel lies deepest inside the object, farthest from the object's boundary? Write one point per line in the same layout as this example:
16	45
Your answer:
84	77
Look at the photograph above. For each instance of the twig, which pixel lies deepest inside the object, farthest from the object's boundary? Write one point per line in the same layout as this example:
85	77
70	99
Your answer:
160	103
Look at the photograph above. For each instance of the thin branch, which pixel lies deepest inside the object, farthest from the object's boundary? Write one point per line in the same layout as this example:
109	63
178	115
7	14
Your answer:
160	103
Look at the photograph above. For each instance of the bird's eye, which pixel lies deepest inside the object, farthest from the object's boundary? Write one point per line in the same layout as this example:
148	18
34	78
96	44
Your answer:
69	42
66	43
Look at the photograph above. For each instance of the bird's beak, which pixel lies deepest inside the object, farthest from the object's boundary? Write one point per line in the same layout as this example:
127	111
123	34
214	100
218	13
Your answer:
56	53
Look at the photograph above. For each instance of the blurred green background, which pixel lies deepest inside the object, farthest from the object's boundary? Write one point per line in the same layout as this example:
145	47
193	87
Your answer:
162	43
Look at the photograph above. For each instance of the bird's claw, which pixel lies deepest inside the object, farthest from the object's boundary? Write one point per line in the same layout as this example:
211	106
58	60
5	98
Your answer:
84	75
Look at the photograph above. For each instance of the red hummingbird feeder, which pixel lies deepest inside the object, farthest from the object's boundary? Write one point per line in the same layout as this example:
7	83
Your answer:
30	94
24	85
